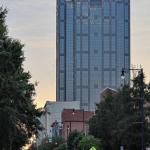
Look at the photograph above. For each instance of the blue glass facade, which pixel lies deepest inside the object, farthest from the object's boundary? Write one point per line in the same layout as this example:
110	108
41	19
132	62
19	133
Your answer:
93	45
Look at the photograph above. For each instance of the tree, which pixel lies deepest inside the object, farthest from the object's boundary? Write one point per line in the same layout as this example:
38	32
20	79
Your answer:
89	141
78	141
58	143
61	147
18	113
117	119
73	140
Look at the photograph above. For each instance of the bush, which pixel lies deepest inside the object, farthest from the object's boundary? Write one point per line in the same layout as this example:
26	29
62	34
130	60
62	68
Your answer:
73	140
57	142
89	141
61	147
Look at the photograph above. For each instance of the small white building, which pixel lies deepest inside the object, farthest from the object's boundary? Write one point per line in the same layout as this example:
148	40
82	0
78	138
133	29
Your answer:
51	115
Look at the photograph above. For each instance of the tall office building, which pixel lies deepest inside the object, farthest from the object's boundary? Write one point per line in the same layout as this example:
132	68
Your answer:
93	45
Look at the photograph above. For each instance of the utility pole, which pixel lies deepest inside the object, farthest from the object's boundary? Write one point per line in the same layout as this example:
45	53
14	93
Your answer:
141	77
141	107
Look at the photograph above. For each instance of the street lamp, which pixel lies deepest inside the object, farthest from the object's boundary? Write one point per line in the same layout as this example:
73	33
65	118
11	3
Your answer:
83	122
141	75
68	131
73	113
69	127
123	74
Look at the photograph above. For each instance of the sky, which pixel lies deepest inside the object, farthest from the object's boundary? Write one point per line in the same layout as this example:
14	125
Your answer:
33	22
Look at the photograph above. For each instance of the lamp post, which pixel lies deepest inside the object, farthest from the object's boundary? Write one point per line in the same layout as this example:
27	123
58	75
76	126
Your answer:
83	122
73	113
68	131
141	75
69	127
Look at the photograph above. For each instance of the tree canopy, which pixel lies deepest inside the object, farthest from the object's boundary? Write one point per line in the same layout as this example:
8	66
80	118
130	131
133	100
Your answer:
117	121
87	142
79	141
58	143
18	112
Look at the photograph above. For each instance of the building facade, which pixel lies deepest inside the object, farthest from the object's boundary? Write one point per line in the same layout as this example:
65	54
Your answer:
93	45
51	119
75	120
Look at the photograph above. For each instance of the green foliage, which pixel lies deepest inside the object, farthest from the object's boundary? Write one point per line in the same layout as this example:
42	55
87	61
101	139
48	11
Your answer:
117	119
3	28
61	147
78	141
73	140
89	141
58	143
46	146
17	110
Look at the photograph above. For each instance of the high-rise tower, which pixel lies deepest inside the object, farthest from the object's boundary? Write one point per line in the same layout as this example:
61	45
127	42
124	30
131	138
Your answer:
93	45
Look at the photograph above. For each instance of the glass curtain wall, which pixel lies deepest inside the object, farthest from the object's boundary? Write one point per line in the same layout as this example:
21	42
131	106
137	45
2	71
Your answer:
93	45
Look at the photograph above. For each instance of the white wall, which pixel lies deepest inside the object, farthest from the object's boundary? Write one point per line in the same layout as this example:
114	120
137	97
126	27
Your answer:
52	113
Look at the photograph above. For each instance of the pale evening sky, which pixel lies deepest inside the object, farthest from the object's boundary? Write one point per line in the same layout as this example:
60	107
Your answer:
34	23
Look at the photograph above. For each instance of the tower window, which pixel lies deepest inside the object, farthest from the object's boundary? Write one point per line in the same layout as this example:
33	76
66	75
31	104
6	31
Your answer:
96	86
95	51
